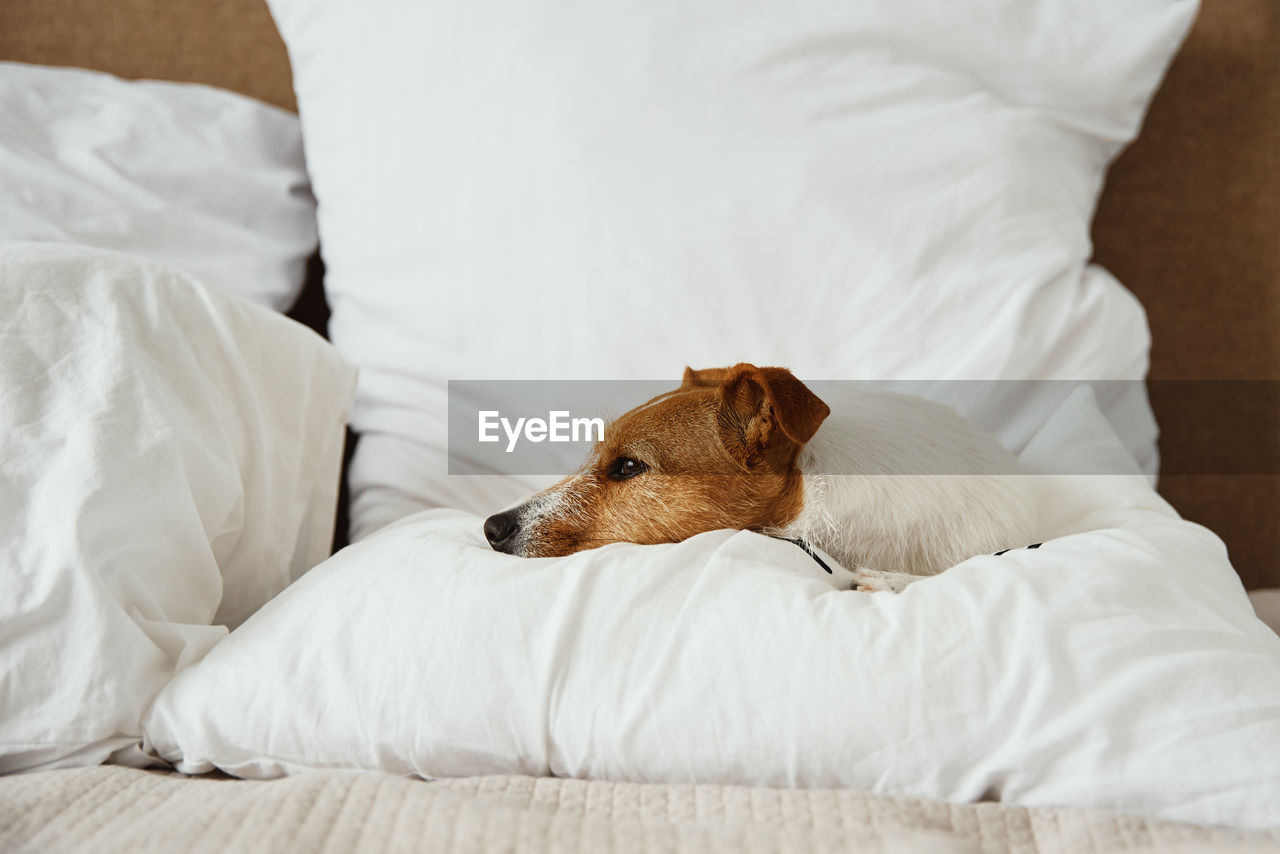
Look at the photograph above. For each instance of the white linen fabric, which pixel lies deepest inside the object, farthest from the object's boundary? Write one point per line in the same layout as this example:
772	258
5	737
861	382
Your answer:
881	190
169	461
200	178
1118	665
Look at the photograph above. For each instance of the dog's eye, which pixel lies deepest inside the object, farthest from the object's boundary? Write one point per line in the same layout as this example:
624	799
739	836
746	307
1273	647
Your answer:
626	467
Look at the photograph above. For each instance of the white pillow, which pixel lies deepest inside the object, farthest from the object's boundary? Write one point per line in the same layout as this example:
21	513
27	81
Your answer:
1118	665
203	179
879	190
169	461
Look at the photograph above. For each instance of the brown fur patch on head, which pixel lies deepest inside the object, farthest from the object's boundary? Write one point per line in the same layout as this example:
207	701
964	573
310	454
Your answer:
712	454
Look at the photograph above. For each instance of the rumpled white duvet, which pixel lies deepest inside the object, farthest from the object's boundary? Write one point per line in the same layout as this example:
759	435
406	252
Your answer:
169	460
1116	665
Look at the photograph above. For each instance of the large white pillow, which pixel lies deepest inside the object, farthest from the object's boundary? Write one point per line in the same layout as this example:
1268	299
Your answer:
1117	665
169	461
200	178
877	190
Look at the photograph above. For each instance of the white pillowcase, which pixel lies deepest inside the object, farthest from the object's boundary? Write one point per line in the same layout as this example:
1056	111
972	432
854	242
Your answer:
1118	665
880	190
203	179
169	461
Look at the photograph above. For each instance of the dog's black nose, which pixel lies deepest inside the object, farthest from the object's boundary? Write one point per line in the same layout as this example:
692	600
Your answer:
501	528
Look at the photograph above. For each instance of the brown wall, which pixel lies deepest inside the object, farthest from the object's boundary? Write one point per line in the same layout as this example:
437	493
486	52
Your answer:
1190	221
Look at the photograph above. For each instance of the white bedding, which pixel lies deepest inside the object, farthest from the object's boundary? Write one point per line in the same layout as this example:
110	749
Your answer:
205	180
1117	665
168	462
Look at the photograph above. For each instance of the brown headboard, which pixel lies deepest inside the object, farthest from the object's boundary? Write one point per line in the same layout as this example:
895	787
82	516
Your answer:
232	44
1190	220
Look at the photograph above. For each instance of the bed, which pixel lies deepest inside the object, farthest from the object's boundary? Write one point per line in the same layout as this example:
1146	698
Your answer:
1188	221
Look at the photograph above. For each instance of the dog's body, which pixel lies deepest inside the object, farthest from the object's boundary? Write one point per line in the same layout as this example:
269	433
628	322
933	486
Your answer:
895	484
893	487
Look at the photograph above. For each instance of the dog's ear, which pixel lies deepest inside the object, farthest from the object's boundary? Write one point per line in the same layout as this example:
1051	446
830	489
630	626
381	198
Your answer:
703	378
766	414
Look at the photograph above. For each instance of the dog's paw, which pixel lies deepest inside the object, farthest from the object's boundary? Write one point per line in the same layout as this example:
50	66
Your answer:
869	581
874	581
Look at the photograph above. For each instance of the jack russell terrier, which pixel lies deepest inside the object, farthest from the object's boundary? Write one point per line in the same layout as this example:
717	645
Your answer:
753	448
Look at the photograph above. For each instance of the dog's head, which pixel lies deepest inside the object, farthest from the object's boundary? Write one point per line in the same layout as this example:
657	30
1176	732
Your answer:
718	452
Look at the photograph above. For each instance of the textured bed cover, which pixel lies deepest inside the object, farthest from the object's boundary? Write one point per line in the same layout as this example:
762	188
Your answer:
118	809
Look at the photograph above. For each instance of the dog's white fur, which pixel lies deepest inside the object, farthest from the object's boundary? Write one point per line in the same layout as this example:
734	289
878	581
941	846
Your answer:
895	484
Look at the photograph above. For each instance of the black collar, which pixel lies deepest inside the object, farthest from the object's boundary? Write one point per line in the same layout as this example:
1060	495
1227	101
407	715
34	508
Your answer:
808	549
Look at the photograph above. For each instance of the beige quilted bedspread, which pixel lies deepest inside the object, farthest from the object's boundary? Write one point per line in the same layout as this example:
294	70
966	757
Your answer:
113	809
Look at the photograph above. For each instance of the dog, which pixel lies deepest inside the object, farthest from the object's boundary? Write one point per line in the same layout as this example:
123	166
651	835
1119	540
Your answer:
894	487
